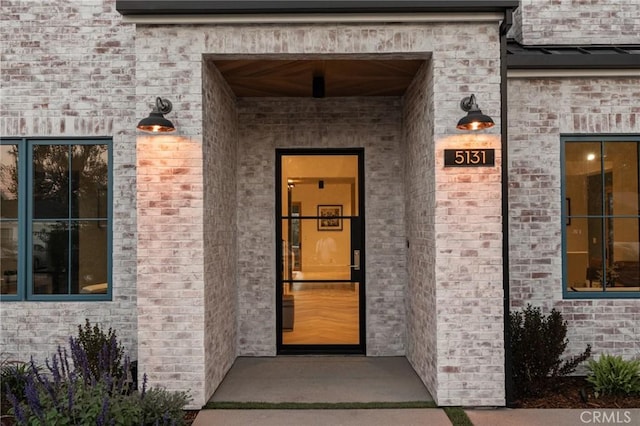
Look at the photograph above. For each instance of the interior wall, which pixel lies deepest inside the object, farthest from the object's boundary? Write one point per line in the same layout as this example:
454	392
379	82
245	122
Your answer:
372	123
309	197
220	150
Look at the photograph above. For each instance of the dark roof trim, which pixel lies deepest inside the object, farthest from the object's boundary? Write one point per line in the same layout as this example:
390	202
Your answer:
215	7
572	57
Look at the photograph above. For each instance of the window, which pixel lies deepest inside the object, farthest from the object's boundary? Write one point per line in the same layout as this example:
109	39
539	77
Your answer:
55	218
601	212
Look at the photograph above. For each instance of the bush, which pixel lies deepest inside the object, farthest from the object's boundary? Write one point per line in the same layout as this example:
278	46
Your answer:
104	354
611	375
13	376
160	404
87	387
537	345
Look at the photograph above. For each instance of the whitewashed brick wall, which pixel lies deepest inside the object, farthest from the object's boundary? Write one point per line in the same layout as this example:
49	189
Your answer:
71	68
466	67
467	227
539	111
187	246
220	227
68	69
170	191
577	22
170	262
454	293
419	162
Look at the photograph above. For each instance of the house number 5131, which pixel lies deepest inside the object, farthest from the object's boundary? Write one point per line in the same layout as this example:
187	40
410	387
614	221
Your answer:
469	157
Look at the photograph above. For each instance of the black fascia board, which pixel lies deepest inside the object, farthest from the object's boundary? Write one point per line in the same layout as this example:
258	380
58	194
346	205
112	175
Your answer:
575	57
222	7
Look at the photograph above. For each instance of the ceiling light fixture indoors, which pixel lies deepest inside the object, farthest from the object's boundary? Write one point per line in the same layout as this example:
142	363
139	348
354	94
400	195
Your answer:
155	122
475	119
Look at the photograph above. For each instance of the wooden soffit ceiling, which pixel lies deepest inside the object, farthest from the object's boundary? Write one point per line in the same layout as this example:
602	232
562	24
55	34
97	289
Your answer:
293	78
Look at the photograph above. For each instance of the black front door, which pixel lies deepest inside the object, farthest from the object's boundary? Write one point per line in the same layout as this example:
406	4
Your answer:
320	251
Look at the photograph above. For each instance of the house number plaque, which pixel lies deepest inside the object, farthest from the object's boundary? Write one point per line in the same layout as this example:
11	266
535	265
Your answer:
469	157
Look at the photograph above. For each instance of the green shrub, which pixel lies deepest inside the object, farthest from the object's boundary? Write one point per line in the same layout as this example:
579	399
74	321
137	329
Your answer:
159	405
104	354
611	375
537	345
13	375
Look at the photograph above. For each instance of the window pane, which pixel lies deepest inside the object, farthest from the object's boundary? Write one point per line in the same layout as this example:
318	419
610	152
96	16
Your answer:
625	257
89	257
9	257
321	255
621	165
50	181
9	181
89	166
584	255
321	313
50	258
325	179
583	178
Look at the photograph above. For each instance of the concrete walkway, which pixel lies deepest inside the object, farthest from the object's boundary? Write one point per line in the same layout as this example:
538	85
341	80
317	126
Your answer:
553	417
332	379
363	379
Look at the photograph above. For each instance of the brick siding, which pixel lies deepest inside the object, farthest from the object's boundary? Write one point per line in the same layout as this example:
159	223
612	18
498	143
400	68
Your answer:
540	110
577	22
193	252
68	70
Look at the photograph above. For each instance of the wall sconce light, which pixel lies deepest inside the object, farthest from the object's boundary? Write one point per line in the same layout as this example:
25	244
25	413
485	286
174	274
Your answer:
475	119
155	122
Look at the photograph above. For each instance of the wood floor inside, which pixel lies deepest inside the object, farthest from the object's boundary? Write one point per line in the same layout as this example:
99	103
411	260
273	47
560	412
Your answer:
322	314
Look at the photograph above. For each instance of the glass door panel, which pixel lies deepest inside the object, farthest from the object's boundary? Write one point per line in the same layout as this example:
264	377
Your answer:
320	289
321	313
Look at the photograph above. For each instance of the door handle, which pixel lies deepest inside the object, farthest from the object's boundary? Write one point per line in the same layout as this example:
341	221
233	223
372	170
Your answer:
356	260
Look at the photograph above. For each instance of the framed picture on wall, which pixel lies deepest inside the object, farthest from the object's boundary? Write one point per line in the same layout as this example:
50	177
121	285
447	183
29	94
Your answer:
329	217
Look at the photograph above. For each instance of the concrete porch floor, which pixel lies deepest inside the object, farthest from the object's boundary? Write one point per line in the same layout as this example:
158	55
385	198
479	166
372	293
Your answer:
331	379
321	379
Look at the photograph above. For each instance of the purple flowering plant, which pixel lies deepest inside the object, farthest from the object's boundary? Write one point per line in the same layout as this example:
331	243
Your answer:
81	386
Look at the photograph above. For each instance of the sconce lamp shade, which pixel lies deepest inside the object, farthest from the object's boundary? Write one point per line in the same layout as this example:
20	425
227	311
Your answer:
155	122
475	119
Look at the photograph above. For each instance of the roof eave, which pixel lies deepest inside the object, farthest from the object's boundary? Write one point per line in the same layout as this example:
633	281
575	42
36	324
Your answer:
191	7
592	61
